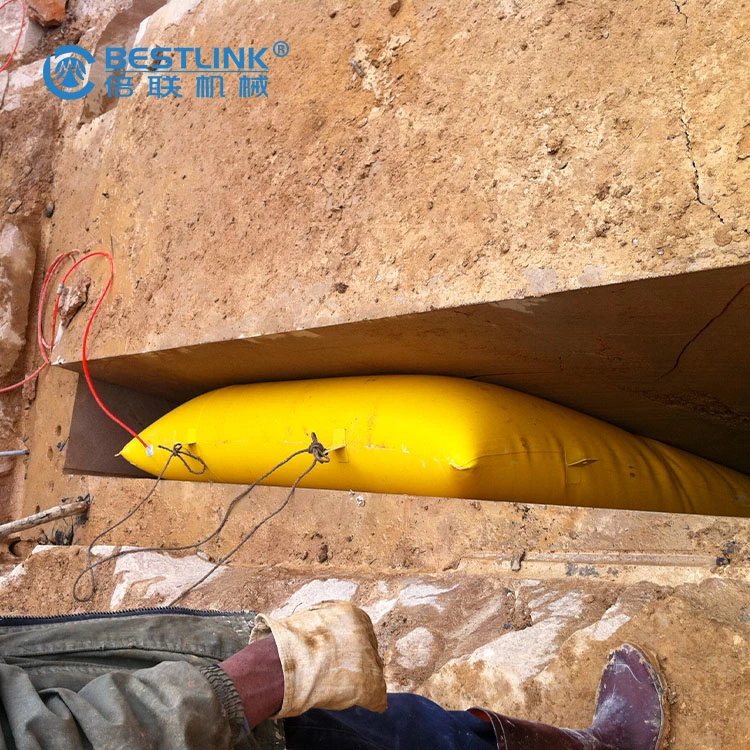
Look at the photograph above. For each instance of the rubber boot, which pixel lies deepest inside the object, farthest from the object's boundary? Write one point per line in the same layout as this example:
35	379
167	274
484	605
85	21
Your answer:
631	713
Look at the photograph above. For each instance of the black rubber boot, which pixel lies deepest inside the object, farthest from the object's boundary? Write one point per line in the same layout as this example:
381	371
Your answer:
631	713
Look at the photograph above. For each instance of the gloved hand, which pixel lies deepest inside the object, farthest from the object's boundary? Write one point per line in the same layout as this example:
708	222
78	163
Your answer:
329	656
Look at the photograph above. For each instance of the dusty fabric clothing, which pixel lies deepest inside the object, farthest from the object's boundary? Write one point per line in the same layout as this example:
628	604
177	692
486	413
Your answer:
329	657
144	679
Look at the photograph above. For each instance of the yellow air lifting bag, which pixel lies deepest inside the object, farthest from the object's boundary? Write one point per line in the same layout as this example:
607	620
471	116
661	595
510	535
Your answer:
435	436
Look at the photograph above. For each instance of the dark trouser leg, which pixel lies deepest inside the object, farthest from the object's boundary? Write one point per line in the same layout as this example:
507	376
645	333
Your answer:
410	723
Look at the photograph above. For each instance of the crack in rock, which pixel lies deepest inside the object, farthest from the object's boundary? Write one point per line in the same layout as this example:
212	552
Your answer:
696	173
686	129
703	329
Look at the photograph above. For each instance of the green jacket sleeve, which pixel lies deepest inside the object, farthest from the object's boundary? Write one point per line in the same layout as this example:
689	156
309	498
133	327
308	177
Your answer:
171	706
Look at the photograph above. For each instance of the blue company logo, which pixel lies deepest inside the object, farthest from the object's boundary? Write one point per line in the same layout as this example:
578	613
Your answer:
66	72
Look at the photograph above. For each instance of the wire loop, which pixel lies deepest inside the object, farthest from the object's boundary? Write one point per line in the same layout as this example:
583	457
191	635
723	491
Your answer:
316	449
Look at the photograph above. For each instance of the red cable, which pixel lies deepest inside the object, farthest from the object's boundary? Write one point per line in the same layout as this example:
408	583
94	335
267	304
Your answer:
27	379
45	346
20	31
84	356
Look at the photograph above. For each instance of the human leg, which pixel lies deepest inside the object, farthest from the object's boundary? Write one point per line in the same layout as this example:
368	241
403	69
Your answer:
410	722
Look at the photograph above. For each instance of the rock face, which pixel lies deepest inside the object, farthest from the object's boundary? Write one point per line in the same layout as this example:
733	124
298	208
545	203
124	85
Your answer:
31	35
17	260
19	85
449	155
47	12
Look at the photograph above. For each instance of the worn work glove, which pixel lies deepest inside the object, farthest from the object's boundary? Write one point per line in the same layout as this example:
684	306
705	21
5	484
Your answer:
329	656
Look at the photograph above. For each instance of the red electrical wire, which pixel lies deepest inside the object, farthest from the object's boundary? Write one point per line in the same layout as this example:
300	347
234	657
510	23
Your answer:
84	354
45	346
20	31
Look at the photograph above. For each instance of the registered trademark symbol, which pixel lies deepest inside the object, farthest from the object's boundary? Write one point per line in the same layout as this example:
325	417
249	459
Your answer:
281	49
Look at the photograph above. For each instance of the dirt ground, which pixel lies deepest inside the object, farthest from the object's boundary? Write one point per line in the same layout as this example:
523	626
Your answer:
485	152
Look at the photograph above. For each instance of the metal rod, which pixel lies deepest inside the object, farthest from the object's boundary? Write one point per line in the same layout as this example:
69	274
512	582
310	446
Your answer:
671	559
22	452
77	507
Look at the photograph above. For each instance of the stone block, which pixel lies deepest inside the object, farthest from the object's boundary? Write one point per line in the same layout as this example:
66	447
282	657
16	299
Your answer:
17	261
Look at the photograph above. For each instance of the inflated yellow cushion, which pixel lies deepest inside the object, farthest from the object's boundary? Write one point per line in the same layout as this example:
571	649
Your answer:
437	436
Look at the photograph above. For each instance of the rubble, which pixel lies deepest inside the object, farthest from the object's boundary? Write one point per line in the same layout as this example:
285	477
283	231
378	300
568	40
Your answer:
72	299
48	13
